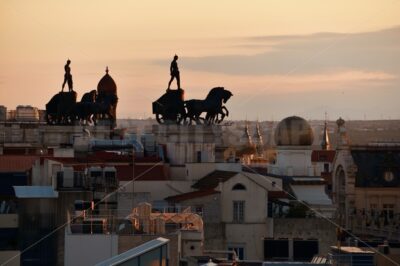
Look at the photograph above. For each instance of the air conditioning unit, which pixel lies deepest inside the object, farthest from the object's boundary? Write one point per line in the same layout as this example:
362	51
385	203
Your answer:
68	177
79	180
96	175
110	176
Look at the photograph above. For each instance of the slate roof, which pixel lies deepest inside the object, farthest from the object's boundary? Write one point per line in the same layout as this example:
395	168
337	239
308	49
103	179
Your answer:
212	179
191	195
149	172
372	164
38	192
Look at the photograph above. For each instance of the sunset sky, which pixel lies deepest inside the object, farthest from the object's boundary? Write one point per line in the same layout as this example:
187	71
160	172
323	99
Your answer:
279	58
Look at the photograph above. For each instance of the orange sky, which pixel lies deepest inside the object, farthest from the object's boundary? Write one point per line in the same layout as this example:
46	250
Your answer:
220	43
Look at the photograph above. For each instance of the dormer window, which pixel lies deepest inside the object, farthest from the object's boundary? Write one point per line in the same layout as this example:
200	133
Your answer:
239	186
388	176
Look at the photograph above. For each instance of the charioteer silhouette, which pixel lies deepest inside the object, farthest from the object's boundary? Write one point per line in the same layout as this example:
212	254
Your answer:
173	109
174	71
67	76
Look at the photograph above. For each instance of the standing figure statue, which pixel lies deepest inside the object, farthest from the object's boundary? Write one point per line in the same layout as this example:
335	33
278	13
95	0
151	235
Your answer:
67	76
174	70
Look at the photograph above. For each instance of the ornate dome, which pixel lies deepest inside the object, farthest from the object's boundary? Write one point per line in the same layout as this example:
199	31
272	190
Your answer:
107	85
293	131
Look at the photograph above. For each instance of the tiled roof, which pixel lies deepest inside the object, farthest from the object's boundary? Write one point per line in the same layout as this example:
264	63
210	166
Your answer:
149	172
104	157
16	163
323	156
277	194
191	195
212	179
256	170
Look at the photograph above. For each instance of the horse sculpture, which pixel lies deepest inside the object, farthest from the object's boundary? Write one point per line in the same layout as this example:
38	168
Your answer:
212	105
104	107
83	110
59	107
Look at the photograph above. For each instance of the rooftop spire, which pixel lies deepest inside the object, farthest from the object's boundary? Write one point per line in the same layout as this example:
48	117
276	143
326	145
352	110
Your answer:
325	143
246	138
106	69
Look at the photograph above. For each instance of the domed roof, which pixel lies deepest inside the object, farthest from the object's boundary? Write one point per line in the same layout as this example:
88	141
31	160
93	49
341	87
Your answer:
294	131
107	85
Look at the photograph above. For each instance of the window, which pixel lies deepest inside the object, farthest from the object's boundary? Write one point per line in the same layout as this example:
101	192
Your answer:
198	209
276	249
322	157
388	210
388	176
238	211
239	186
239	251
326	167
199	156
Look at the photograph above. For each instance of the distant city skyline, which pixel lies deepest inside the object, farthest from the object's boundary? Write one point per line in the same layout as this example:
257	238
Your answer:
278	58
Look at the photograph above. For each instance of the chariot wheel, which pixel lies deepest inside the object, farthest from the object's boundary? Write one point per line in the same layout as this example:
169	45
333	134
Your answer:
201	121
160	118
180	119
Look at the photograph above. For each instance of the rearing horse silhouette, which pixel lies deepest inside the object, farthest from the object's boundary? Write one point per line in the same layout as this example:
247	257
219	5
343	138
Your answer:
213	105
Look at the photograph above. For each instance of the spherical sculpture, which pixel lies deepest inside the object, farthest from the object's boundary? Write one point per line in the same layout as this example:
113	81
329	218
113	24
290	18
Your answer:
294	131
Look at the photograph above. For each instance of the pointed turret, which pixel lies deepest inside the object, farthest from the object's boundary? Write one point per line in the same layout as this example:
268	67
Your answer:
257	137
342	134
325	143
246	138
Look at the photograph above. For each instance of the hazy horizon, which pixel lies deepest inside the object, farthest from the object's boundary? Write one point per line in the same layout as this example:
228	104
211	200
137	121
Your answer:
279	59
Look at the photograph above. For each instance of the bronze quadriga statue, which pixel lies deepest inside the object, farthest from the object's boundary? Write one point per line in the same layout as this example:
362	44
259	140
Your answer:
171	107
63	109
100	104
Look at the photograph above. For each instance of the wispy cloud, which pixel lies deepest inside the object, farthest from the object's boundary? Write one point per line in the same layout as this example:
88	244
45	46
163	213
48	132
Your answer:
376	51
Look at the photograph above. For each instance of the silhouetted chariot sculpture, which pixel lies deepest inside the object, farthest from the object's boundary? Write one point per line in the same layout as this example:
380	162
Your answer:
171	108
63	109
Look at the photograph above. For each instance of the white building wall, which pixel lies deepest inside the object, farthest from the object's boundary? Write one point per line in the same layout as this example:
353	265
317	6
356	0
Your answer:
255	197
293	163
250	237
251	232
186	152
10	257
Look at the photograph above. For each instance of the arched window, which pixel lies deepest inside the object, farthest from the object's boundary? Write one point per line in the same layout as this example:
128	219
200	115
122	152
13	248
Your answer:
239	186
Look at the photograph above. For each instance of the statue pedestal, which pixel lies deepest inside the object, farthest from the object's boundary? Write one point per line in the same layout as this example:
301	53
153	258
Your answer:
188	144
56	135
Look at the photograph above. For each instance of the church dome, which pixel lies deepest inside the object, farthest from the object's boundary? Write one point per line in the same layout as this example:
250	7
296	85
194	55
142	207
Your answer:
107	85
294	131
